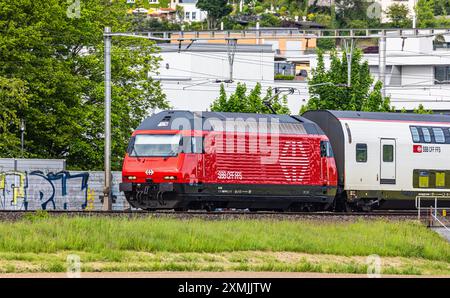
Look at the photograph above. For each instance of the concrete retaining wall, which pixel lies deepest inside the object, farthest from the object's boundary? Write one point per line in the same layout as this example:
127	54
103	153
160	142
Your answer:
46	185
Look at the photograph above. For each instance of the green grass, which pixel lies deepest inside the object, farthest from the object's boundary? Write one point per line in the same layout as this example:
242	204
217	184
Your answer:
114	244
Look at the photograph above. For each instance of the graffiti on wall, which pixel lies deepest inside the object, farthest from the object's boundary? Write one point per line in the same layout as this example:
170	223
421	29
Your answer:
39	190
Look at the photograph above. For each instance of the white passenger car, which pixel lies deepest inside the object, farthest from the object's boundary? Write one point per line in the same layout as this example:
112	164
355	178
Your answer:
387	158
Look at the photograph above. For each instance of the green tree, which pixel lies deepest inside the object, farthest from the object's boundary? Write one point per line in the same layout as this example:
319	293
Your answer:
421	110
352	13
216	9
269	20
253	102
60	57
328	89
425	13
13	101
442	7
399	16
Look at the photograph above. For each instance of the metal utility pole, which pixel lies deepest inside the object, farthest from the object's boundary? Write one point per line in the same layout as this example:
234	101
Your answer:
382	62
349	46
107	199
22	136
232	43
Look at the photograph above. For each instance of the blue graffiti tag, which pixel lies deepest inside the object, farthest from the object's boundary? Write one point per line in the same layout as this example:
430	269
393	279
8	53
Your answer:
64	176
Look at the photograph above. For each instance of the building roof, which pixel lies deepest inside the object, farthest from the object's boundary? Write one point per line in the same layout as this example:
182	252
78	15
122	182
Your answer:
212	47
390	116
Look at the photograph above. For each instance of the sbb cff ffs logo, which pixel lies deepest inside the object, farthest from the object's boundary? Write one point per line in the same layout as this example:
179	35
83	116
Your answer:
426	149
418	149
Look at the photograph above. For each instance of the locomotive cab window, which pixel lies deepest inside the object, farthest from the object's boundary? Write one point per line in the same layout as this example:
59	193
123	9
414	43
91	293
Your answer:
388	153
361	152
156	146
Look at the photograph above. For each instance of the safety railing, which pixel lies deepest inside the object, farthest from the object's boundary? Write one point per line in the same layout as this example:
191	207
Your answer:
434	215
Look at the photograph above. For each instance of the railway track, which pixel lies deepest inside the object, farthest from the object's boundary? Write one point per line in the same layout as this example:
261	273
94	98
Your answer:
7	215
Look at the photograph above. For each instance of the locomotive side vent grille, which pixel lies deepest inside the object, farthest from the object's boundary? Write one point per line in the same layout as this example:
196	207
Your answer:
293	164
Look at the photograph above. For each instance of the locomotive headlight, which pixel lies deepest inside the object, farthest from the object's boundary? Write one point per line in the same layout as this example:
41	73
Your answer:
131	177
170	177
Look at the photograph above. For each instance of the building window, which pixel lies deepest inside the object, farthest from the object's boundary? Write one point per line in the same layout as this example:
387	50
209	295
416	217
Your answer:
194	15
188	15
361	152
442	74
153	1
285	69
388	153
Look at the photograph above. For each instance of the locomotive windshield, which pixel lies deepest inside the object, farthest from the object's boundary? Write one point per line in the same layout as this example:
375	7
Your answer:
154	146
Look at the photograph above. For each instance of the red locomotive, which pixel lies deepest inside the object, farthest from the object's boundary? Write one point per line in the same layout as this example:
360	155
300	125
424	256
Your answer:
207	160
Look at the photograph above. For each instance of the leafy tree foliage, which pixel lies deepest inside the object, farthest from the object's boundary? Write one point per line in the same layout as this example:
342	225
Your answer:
399	15
421	110
328	89
442	7
59	58
425	13
353	14
141	23
253	102
13	101
217	9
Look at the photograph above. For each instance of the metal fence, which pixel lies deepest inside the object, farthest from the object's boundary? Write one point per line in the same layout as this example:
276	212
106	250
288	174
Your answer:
432	214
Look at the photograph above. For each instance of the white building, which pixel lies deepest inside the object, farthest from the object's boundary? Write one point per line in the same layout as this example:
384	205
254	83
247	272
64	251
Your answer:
377	8
191	12
417	72
191	78
385	4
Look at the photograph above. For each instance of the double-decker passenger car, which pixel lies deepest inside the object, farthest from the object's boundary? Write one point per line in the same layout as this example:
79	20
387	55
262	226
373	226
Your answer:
207	160
387	158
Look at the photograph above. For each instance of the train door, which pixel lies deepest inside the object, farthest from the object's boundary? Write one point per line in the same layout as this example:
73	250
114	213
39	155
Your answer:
388	161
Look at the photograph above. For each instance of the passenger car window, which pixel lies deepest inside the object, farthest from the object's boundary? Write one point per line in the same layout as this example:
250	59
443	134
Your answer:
439	135
447	135
440	179
426	135
361	152
388	153
415	134
424	179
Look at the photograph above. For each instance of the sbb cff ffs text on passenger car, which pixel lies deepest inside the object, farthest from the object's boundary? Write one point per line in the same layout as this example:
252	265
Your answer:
207	160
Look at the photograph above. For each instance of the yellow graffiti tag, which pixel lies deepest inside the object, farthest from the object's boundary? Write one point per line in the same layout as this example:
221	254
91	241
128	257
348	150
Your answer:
2	181
18	190
90	199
